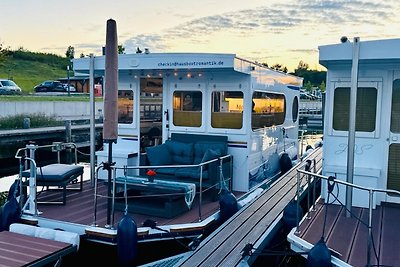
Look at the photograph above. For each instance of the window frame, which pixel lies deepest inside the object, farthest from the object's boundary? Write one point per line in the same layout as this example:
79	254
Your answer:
285	109
221	89
198	87
362	82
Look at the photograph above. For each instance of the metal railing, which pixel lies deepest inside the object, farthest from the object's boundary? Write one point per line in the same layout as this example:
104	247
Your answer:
26	157
201	166
371	191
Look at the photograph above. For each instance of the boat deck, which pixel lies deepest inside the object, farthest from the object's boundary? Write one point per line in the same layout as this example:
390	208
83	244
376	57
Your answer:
23	250
250	225
79	208
348	236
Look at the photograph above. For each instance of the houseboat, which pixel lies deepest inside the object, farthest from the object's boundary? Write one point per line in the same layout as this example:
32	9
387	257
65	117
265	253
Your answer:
192	128
356	216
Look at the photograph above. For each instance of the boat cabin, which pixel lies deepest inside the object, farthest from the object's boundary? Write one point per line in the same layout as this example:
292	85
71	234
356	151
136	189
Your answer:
377	123
204	93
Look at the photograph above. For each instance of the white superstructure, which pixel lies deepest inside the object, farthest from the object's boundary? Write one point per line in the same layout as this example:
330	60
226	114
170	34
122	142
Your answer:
205	93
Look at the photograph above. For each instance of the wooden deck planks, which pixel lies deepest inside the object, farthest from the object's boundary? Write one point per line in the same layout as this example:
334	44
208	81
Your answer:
349	236
338	235
224	247
389	249
22	250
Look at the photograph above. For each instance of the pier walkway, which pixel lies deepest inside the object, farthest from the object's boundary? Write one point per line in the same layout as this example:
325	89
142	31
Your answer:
250	225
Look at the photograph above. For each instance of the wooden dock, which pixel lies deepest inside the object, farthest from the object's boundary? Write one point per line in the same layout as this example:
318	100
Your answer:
249	226
57	132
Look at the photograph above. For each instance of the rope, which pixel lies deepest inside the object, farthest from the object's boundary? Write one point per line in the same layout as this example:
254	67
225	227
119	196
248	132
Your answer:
153	225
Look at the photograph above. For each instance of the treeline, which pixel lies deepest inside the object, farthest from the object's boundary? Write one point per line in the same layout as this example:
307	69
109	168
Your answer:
47	58
312	78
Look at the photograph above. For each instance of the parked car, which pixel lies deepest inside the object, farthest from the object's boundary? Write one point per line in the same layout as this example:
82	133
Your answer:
9	87
71	87
50	86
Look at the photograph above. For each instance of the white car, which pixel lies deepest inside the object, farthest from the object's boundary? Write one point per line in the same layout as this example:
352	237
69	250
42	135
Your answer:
71	88
9	87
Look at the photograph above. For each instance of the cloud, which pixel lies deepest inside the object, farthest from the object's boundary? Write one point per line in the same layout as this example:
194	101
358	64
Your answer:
308	21
154	42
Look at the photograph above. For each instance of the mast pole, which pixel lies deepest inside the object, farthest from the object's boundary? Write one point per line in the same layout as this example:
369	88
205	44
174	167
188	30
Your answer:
352	124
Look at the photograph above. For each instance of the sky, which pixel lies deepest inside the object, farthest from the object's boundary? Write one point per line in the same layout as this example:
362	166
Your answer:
266	31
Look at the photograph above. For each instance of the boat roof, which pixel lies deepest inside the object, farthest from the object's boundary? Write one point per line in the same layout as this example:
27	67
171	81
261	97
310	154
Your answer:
186	61
375	51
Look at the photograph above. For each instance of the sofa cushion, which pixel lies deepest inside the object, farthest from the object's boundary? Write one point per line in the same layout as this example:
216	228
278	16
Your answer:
210	154
181	153
158	155
168	171
191	173
201	147
55	172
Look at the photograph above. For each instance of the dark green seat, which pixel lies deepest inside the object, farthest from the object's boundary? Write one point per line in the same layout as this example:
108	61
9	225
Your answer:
57	175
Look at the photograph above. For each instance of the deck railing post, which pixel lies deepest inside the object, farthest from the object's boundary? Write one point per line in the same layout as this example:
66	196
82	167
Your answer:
371	197
95	196
68	138
201	191
307	168
314	182
297	202
114	178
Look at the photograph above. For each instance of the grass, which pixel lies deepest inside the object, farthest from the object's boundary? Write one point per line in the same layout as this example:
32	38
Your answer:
35	98
28	73
36	120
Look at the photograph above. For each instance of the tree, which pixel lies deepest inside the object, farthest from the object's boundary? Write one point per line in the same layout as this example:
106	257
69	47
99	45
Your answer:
1	52
121	49
322	86
302	65
308	86
70	52
279	67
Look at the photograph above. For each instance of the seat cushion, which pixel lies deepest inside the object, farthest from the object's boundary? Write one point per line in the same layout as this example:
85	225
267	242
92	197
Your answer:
210	155
201	147
181	153
165	171
191	173
158	155
55	172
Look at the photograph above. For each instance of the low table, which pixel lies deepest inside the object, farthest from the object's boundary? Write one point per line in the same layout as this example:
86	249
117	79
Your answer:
158	198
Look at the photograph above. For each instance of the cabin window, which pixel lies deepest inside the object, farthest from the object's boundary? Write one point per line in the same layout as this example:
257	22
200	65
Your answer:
125	106
395	117
187	108
227	109
365	109
268	109
295	109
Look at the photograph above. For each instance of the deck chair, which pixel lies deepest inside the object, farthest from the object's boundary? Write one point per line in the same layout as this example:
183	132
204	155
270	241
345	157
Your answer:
60	176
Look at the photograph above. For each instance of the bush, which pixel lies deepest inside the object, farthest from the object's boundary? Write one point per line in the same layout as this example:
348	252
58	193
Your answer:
36	120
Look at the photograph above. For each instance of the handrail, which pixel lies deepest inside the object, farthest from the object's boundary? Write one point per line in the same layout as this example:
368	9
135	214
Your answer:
58	146
371	192
22	155
200	165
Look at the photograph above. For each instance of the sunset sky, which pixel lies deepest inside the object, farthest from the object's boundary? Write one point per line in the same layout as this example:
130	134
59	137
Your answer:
271	32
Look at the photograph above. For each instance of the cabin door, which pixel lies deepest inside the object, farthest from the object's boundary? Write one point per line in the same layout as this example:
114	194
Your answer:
393	178
150	112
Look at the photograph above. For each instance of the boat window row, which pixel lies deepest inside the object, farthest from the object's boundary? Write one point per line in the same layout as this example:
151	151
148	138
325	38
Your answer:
269	109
